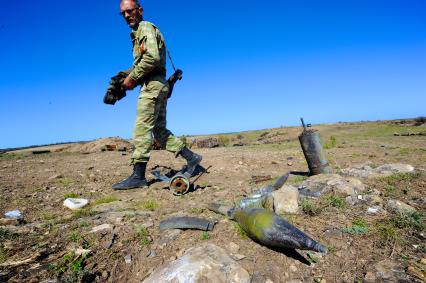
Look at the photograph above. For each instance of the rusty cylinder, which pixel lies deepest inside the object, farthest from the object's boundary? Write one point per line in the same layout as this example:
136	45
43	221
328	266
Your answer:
314	152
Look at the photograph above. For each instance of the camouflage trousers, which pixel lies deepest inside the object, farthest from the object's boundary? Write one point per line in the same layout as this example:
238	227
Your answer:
151	121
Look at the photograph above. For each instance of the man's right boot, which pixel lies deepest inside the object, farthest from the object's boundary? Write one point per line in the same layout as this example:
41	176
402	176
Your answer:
192	160
136	180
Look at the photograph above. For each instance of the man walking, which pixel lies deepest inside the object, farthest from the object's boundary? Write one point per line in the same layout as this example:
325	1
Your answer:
149	71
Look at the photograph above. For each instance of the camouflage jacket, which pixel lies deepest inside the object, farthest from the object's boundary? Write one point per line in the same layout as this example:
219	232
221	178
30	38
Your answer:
149	52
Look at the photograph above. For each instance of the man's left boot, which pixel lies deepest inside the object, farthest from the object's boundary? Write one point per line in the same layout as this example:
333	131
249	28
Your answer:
192	160
136	180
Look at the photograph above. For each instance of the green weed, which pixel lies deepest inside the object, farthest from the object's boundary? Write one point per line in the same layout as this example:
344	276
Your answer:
105	199
7	235
358	227
331	143
335	201
142	235
66	182
84	212
310	208
411	221
3	255
12	155
150	205
70	195
296	179
205	235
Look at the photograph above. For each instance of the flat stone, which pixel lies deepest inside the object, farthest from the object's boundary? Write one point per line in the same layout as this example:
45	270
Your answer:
399	207
206	263
286	200
317	185
169	236
388	270
365	171
102	227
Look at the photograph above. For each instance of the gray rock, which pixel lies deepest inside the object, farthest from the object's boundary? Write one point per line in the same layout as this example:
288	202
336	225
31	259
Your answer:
206	263
102	227
389	169
399	207
317	185
169	236
286	200
365	171
388	271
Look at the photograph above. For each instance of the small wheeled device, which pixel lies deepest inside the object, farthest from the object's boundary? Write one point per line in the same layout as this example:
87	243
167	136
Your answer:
180	183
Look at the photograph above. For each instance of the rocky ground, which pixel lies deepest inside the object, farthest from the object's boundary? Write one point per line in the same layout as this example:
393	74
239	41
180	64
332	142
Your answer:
370	214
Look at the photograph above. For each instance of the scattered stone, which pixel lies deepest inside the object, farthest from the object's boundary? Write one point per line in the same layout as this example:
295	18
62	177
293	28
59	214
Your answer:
233	248
169	236
374	210
293	268
388	271
333	232
105	274
207	143
370	277
269	281
423	261
102	228
80	252
206	263
128	259
75	203
238	256
399	207
286	200
57	176
365	171
317	185
8	221
151	254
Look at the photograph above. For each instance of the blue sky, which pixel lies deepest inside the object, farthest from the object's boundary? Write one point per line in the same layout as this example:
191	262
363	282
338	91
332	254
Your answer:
247	65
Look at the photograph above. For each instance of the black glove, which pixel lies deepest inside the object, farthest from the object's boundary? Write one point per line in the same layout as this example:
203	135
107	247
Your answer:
115	90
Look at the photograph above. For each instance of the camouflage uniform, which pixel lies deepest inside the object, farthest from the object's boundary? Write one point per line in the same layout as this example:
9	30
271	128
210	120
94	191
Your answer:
149	70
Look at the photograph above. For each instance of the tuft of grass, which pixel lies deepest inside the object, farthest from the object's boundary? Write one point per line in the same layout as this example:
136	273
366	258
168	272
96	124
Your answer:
224	140
296	179
310	208
47	216
400	177
73	263
7	235
142	235
150	205
105	199
412	221
335	201
70	195
66	182
12	155
84	212
331	143
3	255
205	235
358	227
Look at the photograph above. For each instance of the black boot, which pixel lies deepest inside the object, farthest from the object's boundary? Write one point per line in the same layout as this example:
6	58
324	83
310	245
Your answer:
192	160
136	180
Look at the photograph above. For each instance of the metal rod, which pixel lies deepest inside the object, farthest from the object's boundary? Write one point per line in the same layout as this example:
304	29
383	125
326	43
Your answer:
303	123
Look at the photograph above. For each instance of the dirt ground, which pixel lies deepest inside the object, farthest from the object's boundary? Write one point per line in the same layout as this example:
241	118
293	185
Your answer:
42	246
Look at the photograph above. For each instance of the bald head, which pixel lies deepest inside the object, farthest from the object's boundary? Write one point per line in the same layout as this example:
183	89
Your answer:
131	10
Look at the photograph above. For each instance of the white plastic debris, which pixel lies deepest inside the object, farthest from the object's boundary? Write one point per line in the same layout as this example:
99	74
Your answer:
75	203
15	214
